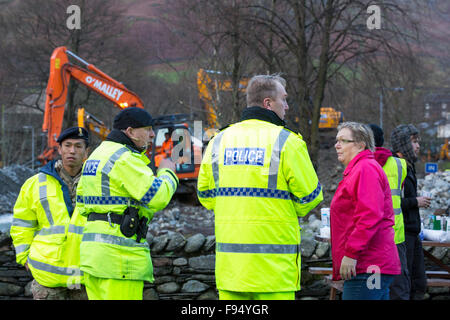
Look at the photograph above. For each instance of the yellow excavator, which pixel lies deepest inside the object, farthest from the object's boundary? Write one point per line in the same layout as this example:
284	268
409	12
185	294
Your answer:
329	117
91	123
206	88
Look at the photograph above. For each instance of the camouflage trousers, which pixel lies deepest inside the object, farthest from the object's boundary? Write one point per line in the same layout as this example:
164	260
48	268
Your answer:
41	292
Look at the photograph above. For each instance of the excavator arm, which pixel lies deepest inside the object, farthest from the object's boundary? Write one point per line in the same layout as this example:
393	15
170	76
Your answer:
203	80
205	85
61	72
90	122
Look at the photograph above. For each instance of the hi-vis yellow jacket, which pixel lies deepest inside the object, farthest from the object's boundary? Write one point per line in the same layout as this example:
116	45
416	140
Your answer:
116	176
42	224
258	178
395	169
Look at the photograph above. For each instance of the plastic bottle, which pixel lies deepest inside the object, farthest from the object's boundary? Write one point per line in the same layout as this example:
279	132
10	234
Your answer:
421	232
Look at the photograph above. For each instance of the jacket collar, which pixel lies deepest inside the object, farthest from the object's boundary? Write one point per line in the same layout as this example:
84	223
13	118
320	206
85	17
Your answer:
365	154
120	137
50	170
260	113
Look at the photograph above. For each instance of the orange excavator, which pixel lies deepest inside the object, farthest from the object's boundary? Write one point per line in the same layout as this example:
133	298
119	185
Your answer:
61	72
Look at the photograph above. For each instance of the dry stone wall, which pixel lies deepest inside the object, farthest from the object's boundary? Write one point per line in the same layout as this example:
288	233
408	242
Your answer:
184	269
184	261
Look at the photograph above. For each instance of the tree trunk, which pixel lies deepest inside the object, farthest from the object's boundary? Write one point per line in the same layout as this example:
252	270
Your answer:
319	91
236	73
303	110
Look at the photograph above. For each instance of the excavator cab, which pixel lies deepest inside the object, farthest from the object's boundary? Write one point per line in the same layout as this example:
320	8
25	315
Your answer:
330	118
173	139
173	142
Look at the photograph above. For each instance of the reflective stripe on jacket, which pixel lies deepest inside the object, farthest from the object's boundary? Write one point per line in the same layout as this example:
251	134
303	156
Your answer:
115	177
258	178
395	169
40	229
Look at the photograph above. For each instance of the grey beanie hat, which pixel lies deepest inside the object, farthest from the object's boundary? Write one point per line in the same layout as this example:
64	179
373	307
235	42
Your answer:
401	141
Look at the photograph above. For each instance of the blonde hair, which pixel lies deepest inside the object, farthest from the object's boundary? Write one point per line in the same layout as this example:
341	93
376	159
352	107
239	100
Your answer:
361	133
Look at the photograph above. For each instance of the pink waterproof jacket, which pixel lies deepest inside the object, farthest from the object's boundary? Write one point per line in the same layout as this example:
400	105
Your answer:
362	219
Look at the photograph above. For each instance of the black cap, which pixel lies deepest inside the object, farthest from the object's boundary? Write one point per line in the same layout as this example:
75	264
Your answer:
74	133
132	117
378	135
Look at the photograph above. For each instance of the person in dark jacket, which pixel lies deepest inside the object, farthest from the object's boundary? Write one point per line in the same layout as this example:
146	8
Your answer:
405	144
396	170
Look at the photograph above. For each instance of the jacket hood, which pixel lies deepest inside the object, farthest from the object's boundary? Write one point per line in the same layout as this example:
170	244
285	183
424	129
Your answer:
400	141
381	155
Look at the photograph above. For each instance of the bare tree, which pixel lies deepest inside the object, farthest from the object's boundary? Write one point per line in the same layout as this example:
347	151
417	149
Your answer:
34	29
218	32
320	38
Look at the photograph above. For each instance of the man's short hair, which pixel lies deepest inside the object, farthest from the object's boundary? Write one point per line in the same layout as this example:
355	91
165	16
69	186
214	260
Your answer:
261	87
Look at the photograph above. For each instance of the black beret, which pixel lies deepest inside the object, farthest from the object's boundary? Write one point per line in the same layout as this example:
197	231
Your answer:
74	133
132	117
378	135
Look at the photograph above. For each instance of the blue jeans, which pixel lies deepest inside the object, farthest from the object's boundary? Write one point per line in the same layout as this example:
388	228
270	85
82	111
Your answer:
367	286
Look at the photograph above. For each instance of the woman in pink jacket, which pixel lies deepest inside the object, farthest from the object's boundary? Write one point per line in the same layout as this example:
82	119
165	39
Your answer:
362	218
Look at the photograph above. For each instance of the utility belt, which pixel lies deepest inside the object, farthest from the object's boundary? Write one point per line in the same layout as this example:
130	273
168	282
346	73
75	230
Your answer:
129	221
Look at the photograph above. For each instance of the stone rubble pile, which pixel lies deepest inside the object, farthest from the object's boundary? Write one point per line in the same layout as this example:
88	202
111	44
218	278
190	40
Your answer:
438	184
11	180
178	217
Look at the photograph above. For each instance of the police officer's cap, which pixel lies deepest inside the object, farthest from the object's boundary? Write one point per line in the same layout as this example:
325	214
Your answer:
132	117
74	133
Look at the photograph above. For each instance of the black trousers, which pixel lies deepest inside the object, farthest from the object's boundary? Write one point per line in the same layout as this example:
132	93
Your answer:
401	286
416	266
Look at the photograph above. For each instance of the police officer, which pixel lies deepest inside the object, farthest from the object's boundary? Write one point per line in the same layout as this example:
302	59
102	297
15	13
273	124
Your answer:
395	169
118	193
258	178
43	220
